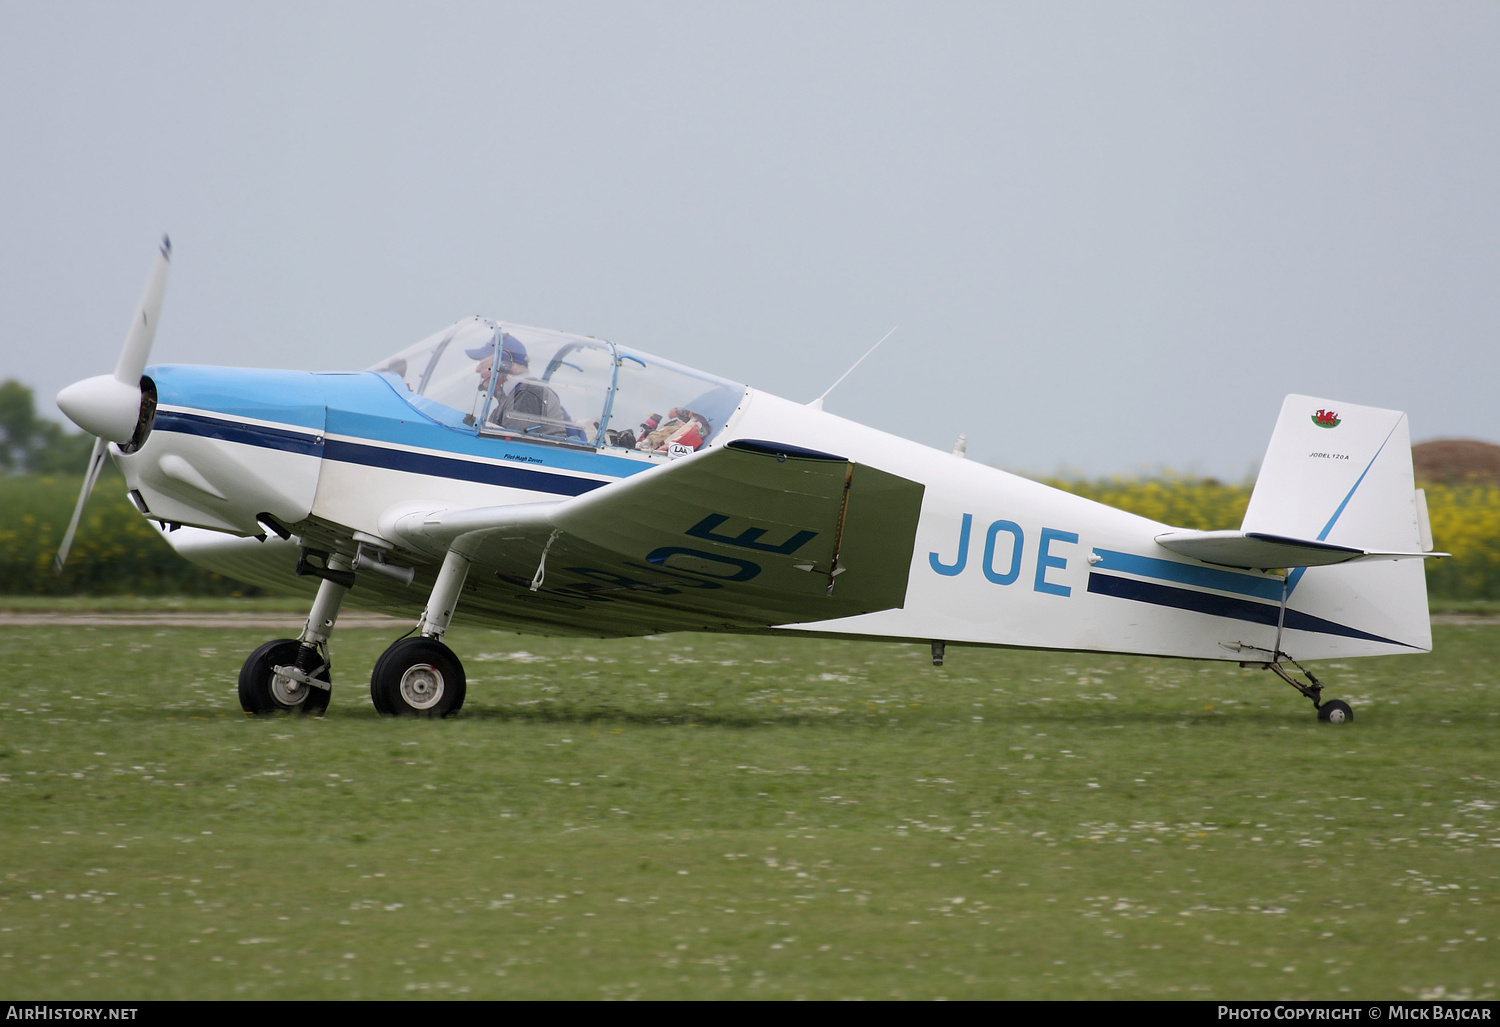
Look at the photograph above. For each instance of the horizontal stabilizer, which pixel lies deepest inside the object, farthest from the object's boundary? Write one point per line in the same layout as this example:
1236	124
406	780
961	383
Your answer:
1262	551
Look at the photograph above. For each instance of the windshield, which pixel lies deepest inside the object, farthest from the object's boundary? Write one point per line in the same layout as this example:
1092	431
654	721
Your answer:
494	378
662	407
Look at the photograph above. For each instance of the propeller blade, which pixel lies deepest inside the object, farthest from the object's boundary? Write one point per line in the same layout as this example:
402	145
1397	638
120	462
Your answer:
109	405
143	328
96	464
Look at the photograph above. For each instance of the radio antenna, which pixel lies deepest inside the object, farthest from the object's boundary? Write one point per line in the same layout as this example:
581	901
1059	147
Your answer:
817	404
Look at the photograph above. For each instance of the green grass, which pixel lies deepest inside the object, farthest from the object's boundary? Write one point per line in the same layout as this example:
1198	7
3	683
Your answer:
705	817
1466	607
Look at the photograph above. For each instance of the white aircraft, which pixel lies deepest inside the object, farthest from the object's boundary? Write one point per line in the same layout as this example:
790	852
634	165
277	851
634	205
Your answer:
558	484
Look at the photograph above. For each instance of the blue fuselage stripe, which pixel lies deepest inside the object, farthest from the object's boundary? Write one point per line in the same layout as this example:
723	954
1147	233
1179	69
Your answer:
1191	574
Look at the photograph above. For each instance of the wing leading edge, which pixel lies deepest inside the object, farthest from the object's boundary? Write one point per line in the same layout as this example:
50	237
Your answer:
750	534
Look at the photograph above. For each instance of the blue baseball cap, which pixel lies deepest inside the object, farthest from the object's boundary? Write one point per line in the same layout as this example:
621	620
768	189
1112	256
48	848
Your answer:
512	351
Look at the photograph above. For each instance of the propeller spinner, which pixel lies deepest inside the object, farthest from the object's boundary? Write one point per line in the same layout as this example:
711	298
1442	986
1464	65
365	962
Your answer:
117	407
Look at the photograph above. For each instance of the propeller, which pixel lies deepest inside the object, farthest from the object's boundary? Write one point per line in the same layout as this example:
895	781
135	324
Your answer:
114	407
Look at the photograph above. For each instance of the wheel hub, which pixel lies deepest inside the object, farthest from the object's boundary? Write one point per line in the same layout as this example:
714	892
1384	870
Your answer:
422	686
287	691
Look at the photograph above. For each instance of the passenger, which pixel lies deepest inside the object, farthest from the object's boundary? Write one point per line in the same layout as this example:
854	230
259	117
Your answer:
683	428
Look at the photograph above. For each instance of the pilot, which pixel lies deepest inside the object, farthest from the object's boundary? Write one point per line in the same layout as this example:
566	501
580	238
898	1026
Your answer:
514	363
520	404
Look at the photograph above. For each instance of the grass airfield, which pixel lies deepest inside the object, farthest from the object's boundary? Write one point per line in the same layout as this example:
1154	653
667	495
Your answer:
724	817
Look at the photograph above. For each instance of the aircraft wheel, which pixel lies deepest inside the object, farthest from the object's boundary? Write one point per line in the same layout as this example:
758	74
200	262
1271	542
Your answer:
1335	711
418	677
262	690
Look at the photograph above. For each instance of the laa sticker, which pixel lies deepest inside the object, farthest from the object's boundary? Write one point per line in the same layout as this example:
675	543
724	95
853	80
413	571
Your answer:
1326	419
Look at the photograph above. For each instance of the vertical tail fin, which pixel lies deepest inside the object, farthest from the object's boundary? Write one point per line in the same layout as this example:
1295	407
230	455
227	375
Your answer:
1342	474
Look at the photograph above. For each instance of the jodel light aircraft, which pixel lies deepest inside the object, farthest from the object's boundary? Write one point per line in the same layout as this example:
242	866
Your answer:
560	484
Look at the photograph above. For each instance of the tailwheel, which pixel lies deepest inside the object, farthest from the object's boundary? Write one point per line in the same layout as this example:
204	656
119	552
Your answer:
272	681
418	677
1335	711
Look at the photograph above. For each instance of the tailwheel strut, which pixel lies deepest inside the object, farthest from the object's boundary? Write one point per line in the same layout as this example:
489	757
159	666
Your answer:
1334	711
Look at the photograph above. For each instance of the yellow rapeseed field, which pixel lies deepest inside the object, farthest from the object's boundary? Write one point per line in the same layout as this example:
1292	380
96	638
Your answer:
1465	522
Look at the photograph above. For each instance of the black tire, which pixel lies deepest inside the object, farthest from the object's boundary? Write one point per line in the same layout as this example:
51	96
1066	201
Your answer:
418	677
261	691
1335	711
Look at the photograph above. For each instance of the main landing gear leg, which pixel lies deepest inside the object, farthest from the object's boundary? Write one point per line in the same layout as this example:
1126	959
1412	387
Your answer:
420	677
293	673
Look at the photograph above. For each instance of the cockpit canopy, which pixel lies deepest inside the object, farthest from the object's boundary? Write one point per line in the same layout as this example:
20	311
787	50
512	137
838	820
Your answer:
509	380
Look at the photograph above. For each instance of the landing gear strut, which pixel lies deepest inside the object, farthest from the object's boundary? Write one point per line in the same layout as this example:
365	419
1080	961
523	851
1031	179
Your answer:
421	677
293	673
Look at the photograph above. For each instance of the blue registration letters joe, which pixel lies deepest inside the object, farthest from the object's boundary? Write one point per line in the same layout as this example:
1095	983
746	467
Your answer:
1045	560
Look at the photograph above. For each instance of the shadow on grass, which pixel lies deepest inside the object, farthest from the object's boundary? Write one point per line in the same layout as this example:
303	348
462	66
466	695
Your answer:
933	720
499	715
937	718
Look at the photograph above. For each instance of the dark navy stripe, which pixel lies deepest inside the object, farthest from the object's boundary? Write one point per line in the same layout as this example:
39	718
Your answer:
1222	606
463	470
237	431
374	456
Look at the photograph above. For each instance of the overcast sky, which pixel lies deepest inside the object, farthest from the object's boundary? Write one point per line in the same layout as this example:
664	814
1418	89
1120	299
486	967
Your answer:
1114	234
